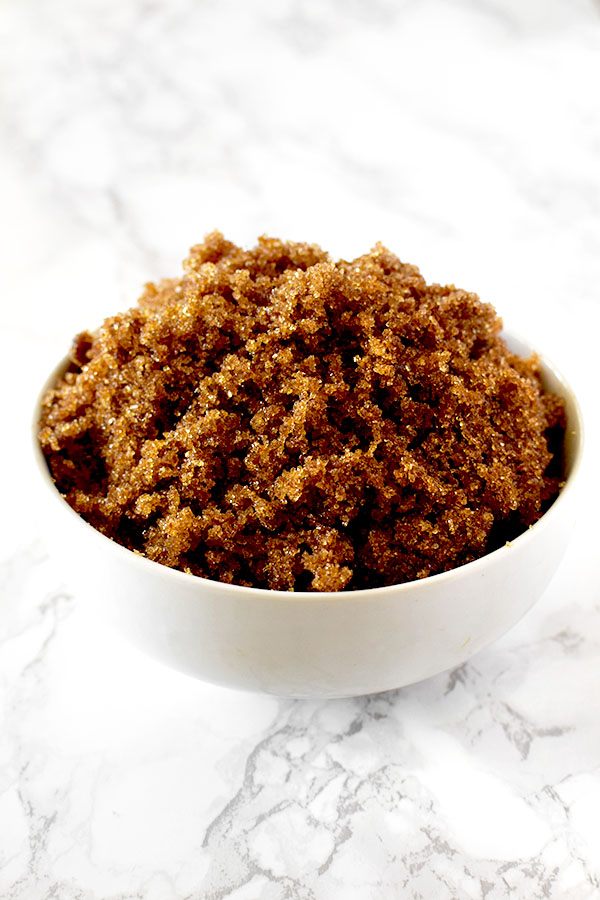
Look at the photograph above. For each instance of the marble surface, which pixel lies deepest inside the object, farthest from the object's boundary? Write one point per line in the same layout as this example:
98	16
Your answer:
466	135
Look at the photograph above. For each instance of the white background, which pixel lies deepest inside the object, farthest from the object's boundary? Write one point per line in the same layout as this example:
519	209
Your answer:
466	136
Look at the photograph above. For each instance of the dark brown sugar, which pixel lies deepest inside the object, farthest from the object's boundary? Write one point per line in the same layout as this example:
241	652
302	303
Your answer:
281	420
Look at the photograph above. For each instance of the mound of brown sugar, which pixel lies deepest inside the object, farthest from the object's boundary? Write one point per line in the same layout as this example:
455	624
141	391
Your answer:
281	420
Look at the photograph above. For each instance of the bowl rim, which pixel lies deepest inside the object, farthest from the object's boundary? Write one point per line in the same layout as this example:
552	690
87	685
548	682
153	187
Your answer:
575	424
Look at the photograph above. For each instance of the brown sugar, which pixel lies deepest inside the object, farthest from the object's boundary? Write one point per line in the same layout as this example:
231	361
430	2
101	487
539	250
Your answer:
277	419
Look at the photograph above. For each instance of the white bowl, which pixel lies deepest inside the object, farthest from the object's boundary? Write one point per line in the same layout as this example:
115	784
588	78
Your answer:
317	644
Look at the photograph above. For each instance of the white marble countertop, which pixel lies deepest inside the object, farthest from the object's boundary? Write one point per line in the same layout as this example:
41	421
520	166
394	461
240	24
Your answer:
465	135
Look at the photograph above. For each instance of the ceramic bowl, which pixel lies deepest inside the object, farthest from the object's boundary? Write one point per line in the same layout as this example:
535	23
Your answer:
316	644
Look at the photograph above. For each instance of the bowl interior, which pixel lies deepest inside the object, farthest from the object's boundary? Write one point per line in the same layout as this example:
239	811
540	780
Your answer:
555	382
552	379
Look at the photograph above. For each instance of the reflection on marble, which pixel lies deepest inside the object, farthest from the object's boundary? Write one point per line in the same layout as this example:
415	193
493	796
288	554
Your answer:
465	135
